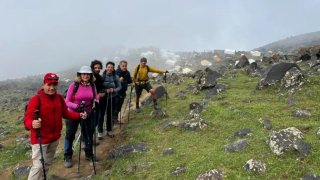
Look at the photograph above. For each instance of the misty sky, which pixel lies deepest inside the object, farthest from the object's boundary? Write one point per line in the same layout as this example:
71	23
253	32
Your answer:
38	36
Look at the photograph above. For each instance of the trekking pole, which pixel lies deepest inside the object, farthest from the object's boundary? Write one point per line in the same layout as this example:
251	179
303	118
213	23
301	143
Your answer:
75	143
129	104
165	85
94	127
36	116
81	109
88	138
106	114
111	112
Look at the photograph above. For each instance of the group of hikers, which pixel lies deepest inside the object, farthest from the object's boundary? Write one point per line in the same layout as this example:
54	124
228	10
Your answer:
92	100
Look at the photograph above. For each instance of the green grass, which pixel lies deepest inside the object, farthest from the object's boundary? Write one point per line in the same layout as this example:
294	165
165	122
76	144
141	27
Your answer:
240	106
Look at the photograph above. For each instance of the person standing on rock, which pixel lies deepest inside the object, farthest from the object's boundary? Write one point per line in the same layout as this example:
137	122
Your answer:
125	79
141	81
50	108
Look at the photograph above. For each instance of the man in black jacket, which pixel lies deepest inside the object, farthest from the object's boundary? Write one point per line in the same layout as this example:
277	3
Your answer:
96	67
125	79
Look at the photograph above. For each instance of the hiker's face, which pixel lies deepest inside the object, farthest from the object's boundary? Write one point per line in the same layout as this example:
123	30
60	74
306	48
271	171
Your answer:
123	66
85	77
109	68
50	89
96	69
143	63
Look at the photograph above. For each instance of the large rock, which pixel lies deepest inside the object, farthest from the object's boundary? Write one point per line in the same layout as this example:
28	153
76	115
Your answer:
208	79
276	72
214	174
242	62
292	77
160	92
287	139
255	166
127	149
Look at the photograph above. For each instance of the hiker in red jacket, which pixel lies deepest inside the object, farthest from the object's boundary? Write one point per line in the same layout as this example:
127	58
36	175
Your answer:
51	108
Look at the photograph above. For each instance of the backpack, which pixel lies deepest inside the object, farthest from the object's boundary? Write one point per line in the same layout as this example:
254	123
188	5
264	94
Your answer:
75	89
26	107
138	67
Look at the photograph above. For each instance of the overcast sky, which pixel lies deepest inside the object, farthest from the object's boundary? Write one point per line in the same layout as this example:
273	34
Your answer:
38	36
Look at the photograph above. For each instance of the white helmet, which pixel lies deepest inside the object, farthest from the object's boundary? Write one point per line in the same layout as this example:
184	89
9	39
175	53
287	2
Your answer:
85	69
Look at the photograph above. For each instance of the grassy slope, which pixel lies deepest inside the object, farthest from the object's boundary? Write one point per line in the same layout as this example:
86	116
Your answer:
240	106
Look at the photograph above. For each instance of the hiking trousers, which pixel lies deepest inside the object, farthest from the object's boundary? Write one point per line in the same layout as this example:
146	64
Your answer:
36	171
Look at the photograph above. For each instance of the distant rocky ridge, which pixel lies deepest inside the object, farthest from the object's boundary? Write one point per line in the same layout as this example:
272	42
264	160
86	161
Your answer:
291	43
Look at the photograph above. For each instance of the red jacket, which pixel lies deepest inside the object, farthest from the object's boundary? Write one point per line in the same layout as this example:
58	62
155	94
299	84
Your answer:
53	109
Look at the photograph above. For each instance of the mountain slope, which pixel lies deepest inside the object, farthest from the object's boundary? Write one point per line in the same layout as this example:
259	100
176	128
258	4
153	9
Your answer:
291	43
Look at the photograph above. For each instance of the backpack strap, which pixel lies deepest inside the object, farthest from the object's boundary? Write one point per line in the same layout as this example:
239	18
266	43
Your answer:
137	71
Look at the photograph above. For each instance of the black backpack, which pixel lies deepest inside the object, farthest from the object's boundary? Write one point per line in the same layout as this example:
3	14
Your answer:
26	107
75	89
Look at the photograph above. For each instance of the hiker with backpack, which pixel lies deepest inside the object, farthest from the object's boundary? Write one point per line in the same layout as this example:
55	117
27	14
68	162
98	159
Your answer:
111	87
141	81
125	80
45	130
96	67
82	90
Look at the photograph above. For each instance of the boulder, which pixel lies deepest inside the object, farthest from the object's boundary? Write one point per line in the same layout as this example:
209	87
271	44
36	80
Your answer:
255	166
179	170
266	123
301	113
214	174
283	140
236	146
208	79
127	149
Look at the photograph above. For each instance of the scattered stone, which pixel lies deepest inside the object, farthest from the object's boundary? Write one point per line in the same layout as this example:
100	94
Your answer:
243	132
318	133
266	123
168	151
145	165
21	171
195	109
193	124
166	123
283	140
178	171
255	166
291	102
302	147
127	149
301	113
214	174
236	146
181	95
130	170
158	113
242	62
310	176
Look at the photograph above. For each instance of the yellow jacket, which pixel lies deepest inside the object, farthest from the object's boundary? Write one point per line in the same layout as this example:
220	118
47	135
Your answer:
142	75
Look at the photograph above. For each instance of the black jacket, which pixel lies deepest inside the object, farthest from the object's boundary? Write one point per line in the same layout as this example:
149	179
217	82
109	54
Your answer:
126	80
98	82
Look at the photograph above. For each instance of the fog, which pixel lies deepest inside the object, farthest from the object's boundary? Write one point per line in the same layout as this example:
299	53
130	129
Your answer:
40	36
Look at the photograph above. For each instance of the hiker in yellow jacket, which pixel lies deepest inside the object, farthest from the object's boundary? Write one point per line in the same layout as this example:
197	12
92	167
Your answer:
141	81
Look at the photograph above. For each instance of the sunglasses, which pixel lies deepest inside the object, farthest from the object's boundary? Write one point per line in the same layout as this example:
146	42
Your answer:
88	74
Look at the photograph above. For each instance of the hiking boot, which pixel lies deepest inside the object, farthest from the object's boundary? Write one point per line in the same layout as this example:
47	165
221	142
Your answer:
93	157
68	162
100	136
137	110
110	134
